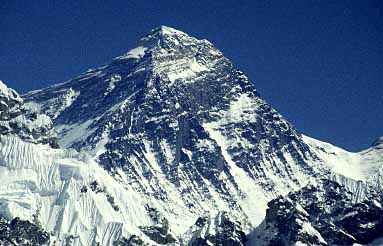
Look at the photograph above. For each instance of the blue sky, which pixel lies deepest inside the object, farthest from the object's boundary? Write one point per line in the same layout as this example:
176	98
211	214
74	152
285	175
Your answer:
319	63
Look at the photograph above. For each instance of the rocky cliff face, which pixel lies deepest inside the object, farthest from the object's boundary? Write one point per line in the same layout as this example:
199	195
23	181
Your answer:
16	118
216	230
20	232
325	214
178	122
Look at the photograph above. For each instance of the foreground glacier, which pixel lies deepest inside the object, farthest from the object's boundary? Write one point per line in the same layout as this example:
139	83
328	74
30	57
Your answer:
171	144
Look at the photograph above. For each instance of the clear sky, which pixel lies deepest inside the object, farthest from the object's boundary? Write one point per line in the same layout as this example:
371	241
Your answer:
319	63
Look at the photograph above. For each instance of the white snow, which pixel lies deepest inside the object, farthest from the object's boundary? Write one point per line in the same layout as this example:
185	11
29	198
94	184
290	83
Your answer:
253	199
357	166
136	53
188	153
307	227
70	134
205	144
181	69
100	146
40	122
9	93
241	109
171	31
47	182
254	202
3	88
167	150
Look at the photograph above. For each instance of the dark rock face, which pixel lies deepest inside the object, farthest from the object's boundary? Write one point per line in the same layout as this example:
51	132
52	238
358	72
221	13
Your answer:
330	213
158	234
290	223
132	241
22	121
160	231
219	231
20	232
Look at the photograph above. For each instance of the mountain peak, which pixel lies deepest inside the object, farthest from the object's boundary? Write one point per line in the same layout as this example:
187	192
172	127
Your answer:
162	37
164	41
3	88
166	37
165	30
9	93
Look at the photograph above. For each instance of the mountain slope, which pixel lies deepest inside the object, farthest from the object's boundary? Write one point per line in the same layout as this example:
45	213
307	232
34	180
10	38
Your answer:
359	166
322	214
173	118
63	191
168	144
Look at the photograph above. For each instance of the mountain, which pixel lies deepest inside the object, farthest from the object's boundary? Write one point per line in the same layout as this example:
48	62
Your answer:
178	122
50	195
169	144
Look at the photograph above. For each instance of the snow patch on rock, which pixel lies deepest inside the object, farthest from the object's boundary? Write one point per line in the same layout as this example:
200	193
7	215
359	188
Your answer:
136	53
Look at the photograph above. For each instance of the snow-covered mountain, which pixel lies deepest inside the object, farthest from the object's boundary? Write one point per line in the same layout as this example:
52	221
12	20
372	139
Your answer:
168	144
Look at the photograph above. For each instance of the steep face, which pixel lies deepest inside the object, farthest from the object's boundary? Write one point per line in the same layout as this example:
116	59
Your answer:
177	122
322	214
17	119
366	166
219	230
19	232
57	196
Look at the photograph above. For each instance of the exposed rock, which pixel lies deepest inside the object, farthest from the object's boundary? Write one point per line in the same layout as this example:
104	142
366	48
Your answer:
20	232
221	230
132	241
288	224
319	215
160	231
23	121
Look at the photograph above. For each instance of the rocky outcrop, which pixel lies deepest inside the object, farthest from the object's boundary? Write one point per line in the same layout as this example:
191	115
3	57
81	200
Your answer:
219	230
323	214
21	232
131	241
159	232
16	118
287	224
